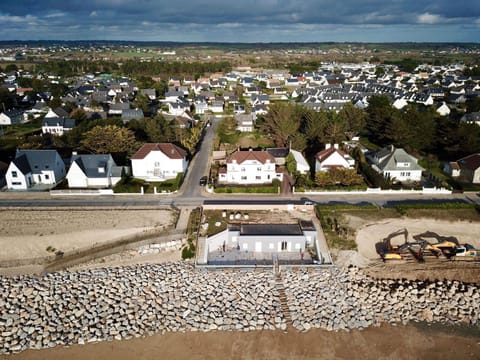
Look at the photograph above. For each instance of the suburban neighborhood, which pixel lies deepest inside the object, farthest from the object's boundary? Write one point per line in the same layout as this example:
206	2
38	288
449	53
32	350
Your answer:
316	191
340	107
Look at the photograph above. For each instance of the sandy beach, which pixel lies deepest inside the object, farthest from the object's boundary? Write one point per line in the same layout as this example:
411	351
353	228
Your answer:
386	342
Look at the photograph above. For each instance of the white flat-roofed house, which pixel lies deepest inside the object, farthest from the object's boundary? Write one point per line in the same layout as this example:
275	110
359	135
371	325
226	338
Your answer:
250	167
159	162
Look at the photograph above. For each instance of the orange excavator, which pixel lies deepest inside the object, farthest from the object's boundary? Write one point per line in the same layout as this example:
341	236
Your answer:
387	251
443	245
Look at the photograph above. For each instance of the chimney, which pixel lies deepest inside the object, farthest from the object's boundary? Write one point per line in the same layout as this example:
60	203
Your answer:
335	146
328	146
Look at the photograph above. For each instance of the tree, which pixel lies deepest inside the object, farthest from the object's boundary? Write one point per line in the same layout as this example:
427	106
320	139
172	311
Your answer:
354	119
109	139
282	122
191	138
291	163
158	129
338	176
142	102
473	105
379	115
79	115
55	103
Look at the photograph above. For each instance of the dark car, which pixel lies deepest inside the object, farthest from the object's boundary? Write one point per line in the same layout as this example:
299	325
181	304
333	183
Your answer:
203	181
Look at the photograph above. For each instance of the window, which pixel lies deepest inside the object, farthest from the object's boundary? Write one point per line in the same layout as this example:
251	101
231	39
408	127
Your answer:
16	183
157	164
47	177
259	168
242	169
258	178
14	174
244	178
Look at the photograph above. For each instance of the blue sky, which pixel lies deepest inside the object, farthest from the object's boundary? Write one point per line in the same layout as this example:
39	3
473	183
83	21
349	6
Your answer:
242	20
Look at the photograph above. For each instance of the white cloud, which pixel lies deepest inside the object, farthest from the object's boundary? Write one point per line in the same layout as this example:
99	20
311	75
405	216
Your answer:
427	18
55	15
93	13
17	19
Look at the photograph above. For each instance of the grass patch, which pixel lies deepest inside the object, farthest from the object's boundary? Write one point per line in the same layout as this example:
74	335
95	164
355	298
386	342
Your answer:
132	185
213	218
246	189
272	188
336	230
188	251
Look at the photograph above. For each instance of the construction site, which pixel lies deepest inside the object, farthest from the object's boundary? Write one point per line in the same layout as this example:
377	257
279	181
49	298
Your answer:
427	246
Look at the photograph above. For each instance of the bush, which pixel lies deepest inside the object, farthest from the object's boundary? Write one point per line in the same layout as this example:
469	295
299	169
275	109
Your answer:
188	252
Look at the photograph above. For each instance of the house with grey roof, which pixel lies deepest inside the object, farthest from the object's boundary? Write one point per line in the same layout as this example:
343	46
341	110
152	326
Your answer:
130	114
12	117
57	125
396	164
245	122
93	171
35	169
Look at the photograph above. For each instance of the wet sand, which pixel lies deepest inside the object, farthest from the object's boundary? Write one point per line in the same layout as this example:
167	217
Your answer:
386	342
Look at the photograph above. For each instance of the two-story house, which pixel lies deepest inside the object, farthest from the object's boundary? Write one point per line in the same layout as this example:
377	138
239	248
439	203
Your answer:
250	167
331	157
159	162
35	167
396	164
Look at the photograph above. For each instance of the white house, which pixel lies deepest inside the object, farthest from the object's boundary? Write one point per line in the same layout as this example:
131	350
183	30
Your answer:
443	109
395	164
12	117
468	168
250	167
34	167
245	122
302	163
331	157
57	125
93	171
159	162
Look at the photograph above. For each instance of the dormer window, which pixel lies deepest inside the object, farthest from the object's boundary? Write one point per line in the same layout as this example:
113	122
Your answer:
101	170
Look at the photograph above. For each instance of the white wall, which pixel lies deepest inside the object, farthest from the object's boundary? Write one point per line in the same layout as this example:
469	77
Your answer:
156	166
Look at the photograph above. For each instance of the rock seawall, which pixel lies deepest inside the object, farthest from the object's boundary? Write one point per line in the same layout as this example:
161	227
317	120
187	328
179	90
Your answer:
66	308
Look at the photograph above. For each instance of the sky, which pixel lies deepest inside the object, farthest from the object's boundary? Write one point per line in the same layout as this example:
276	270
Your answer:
242	20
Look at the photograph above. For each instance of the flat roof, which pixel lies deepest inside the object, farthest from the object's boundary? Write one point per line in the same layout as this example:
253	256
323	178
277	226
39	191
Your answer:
270	229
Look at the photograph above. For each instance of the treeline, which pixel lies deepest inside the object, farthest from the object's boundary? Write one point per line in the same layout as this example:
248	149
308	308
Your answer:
174	68
75	67
418	129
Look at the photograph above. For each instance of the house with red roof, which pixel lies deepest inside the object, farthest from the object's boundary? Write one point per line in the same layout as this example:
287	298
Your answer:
469	167
331	157
159	162
250	167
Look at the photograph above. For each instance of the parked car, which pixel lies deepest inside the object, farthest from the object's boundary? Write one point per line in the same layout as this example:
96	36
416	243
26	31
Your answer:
203	181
